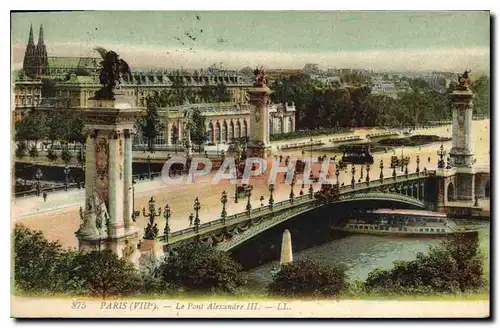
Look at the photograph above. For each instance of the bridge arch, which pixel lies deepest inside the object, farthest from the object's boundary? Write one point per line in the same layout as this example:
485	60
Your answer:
254	230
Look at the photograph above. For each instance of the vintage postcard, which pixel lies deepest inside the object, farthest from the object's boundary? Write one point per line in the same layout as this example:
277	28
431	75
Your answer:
230	164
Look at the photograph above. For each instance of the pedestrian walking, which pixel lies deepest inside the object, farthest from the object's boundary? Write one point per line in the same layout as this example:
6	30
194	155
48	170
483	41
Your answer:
429	159
191	217
261	201
45	196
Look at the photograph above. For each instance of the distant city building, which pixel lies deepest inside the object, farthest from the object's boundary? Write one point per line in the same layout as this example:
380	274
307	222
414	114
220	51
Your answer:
310	69
74	81
27	94
331	81
37	64
224	122
384	87
437	82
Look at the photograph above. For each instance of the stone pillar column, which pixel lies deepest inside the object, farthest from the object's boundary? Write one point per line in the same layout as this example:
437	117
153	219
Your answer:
180	133
259	144
219	135
167	131
461	151
90	170
127	177
115	191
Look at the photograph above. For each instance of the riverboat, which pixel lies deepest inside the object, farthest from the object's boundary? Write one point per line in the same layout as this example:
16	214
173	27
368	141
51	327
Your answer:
399	222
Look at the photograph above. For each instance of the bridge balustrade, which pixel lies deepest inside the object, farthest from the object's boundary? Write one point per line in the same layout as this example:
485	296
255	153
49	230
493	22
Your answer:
298	203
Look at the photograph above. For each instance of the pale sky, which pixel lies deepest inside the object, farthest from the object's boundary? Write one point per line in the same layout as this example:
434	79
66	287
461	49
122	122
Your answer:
450	41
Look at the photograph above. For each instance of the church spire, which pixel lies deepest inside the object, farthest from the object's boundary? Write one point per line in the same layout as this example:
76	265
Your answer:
40	36
30	62
30	40
41	55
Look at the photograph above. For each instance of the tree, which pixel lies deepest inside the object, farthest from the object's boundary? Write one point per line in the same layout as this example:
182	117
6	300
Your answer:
51	154
40	265
33	152
197	267
104	274
453	266
206	93
419	84
481	89
197	128
33	127
298	89
66	155
308	278
21	149
150	124
48	88
221	93
179	92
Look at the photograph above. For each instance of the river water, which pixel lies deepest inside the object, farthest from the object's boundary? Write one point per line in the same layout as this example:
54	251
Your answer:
362	253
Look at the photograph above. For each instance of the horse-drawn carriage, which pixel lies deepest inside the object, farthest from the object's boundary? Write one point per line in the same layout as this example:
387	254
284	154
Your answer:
242	190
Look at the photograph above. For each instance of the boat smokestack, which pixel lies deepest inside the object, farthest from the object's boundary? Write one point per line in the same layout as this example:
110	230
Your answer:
286	248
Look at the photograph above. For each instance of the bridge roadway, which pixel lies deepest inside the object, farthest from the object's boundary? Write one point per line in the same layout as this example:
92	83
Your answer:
58	218
263	217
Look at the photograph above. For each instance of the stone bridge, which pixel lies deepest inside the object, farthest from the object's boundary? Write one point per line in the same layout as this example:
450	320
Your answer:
234	230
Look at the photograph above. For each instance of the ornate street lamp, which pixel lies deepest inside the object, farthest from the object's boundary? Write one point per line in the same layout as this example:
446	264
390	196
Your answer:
407	161
167	215
394	172
292	194
402	159
337	173
151	230
149	167
223	200
38	177
368	174
134	212
311	153
66	171
249	194
381	177
196	207
271	199
361	177
441	153
353	171
311	190
236	193
418	165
